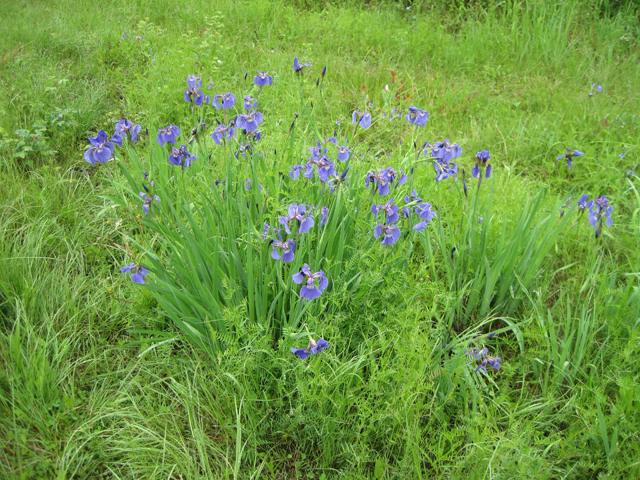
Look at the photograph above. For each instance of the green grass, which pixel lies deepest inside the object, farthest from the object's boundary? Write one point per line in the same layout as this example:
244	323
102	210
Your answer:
87	392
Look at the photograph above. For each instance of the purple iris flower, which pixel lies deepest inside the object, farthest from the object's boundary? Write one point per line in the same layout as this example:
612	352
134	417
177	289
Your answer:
193	93
483	357
222	133
390	233
228	100
492	361
444	170
324	215
426	214
309	290
417	117
250	121
446	151
390	210
249	183
147	202
288	248
380	180
343	153
391	175
263	79
138	272
297	212
313	348
168	134
582	202
361	119
569	156
124	126
326	168
316	151
298	67
384	179
336	180
250	102
295	171
265	230
413	198
481	162
101	149
333	140
256	135
599	214
180	157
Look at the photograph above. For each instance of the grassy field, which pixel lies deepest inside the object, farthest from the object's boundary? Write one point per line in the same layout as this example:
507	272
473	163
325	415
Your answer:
192	375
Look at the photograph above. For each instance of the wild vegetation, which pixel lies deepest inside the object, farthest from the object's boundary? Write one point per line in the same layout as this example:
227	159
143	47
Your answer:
305	270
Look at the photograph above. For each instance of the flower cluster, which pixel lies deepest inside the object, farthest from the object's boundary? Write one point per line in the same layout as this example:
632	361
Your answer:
194	93
384	179
483	357
181	157
444	153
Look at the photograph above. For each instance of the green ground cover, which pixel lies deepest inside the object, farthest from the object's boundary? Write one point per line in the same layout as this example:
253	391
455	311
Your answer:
103	378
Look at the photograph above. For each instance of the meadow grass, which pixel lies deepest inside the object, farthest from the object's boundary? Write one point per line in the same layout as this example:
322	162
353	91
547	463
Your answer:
99	378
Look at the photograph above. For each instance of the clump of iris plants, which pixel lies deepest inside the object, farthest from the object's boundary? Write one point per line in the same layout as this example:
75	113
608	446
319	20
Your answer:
443	153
